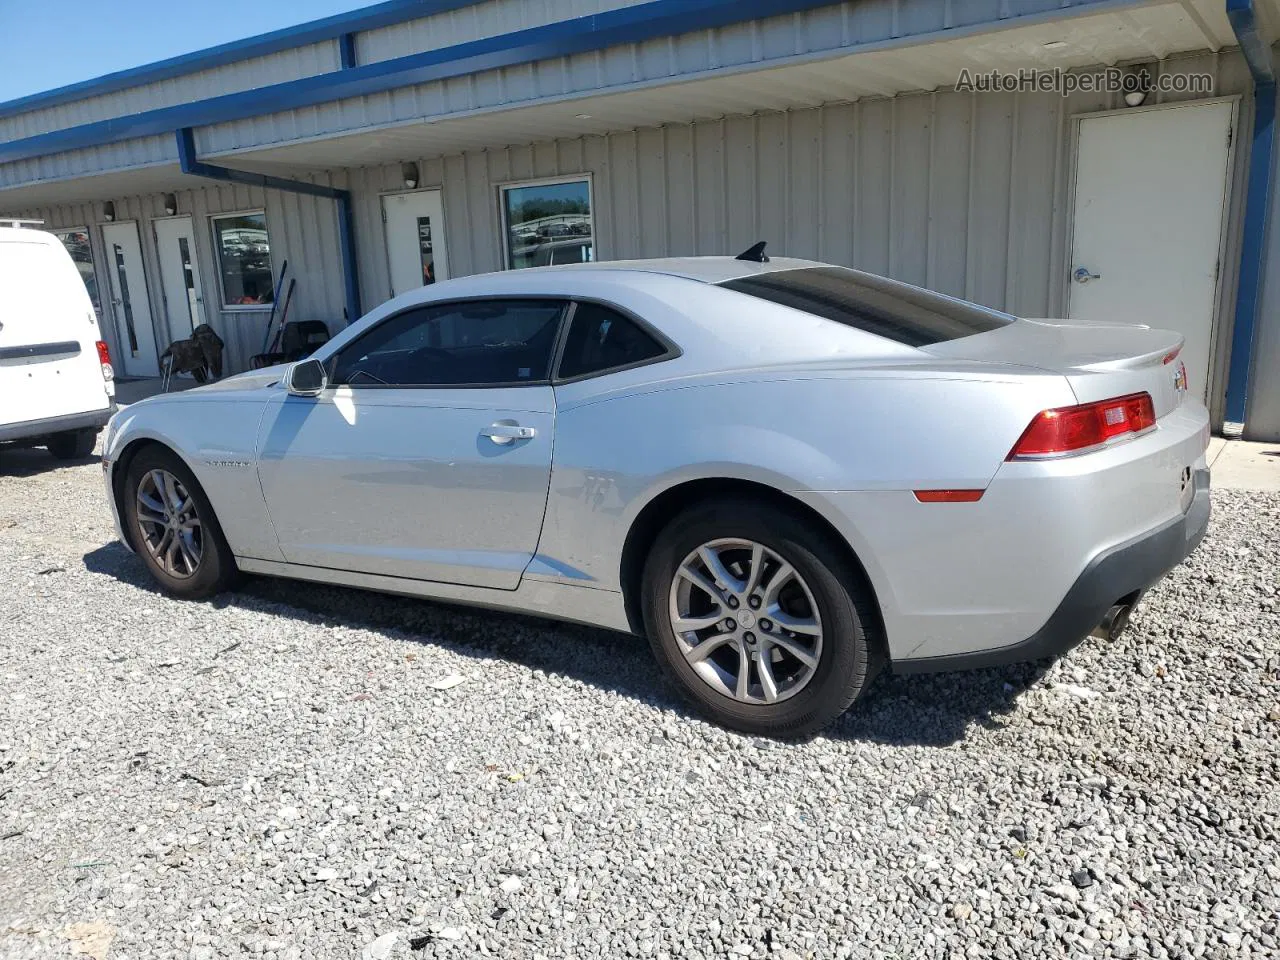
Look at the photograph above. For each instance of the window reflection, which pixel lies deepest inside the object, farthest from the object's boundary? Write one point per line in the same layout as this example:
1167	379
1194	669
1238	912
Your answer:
244	259
548	223
425	255
77	243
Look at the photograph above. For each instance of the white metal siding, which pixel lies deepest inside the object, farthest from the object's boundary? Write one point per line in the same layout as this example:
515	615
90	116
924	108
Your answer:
475	22
821	32
962	193
126	155
290	64
302	229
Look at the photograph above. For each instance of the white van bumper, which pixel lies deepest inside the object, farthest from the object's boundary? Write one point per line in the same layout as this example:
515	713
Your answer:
30	430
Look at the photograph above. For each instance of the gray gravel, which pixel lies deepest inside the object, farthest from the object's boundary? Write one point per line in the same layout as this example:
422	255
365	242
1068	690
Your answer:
273	774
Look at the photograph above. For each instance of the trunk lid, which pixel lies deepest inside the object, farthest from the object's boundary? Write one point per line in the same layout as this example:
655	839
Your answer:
1099	360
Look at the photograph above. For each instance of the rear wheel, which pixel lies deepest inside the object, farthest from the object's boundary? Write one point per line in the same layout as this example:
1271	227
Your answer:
73	445
173	528
758	617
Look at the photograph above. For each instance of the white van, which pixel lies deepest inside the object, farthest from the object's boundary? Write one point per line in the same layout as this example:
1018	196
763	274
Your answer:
56	382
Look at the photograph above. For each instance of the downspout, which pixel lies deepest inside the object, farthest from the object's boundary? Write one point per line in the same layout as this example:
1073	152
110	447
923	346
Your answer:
1257	54
346	226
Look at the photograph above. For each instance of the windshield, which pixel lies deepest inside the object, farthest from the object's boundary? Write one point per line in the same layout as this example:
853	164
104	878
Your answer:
896	311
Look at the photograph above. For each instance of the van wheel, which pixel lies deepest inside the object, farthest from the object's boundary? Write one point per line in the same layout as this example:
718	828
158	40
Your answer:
73	445
172	526
758	618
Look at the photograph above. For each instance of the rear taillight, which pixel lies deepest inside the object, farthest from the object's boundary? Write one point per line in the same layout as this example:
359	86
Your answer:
1070	429
104	358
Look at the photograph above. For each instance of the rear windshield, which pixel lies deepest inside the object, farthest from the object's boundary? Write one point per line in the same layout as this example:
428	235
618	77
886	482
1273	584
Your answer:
895	311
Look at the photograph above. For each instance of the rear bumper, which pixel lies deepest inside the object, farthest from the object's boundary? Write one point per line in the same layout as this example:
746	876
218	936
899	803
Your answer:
1123	571
38	429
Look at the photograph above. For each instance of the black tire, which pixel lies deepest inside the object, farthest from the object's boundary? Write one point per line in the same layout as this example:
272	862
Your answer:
216	570
850	653
73	445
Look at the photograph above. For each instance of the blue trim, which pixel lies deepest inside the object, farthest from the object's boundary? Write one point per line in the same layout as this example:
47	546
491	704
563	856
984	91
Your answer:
346	221
1257	54
658	18
315	31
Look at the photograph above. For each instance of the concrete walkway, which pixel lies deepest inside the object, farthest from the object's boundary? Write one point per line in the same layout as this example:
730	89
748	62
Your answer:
1235	464
1241	465
131	391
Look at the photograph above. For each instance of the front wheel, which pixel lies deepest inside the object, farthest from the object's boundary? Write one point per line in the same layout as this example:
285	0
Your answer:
172	526
759	617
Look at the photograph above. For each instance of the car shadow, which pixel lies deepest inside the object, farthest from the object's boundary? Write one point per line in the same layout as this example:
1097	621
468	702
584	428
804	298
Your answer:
930	710
30	461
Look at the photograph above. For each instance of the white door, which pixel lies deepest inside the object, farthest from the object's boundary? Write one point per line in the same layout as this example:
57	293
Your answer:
1151	187
415	239
180	275
129	302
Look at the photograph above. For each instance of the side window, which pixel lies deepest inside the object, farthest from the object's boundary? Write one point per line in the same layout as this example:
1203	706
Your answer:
603	339
477	343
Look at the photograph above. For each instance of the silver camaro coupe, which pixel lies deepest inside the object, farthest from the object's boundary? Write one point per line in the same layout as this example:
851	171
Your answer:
786	474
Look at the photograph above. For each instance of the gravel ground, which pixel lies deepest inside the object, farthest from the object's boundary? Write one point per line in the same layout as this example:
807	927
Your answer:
274	774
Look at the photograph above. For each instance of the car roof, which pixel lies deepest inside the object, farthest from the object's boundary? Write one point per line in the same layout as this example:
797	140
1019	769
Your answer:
27	235
705	269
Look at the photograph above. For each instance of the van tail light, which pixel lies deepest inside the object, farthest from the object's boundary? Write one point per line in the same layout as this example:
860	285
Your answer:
104	358
1070	429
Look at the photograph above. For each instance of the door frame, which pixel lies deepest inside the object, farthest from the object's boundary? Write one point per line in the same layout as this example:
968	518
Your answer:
195	264
121	336
1228	236
386	240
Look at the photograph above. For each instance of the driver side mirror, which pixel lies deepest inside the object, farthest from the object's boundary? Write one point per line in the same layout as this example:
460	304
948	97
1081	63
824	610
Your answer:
306	378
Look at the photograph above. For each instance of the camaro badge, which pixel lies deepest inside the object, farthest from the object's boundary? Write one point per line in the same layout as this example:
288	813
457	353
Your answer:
1180	378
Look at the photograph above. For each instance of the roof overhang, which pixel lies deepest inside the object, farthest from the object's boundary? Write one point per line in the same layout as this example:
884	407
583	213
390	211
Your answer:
1081	37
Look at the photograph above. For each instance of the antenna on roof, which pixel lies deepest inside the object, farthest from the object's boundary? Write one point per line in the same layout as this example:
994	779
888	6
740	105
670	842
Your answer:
755	254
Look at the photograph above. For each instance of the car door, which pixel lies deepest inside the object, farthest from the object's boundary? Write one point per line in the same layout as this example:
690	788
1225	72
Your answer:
428	454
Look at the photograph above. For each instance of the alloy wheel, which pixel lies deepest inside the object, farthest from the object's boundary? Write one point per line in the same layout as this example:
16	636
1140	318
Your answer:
169	524
746	621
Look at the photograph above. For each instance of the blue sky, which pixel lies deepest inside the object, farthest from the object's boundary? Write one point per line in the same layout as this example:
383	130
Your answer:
50	43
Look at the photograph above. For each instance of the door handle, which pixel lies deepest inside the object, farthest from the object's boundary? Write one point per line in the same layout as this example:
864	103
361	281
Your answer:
503	433
1084	275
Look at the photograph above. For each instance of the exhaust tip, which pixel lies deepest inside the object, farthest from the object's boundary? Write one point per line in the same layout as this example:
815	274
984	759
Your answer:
1115	623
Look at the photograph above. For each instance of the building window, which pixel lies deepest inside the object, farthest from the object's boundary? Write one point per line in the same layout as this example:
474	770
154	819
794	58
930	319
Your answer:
244	259
76	240
547	222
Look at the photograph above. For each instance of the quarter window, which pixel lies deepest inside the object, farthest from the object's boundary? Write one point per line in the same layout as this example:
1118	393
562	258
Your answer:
244	259
603	339
475	343
548	223
76	241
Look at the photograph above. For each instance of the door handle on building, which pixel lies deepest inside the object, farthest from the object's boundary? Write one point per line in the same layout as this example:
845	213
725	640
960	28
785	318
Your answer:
1084	275
503	433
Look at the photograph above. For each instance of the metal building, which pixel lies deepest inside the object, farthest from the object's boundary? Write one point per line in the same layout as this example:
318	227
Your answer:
1111	159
